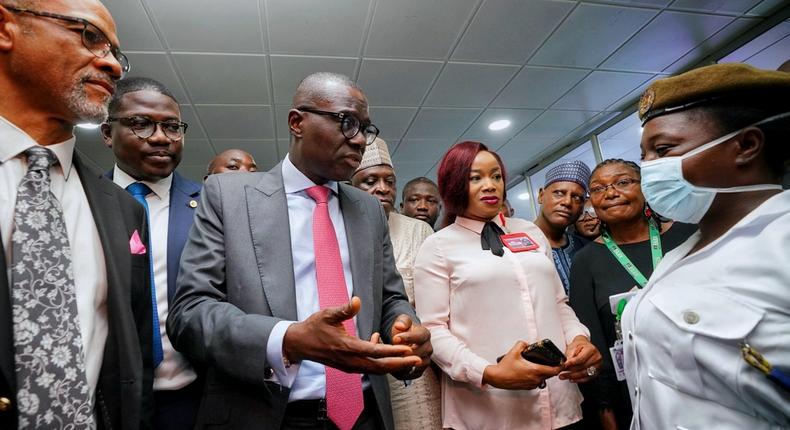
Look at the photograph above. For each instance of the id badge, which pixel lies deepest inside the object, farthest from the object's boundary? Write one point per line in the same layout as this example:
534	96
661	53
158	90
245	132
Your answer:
518	242
617	359
615	299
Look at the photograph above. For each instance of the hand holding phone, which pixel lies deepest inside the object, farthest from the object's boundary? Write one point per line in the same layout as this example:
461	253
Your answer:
542	352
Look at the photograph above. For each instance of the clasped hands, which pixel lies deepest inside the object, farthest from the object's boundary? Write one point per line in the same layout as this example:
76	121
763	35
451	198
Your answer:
322	338
513	372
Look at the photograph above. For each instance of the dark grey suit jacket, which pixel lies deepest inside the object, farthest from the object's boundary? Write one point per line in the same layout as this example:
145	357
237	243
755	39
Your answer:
236	282
124	397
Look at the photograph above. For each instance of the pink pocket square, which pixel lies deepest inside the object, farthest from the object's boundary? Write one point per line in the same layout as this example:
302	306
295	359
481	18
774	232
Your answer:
136	245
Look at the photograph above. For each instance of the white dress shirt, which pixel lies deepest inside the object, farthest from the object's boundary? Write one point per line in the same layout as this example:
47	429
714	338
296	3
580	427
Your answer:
307	379
682	332
88	265
174	371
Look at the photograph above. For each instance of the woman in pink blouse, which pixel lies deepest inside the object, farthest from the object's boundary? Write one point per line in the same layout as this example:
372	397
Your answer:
482	297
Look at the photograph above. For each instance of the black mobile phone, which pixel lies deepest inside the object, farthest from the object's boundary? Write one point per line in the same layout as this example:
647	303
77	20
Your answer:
542	352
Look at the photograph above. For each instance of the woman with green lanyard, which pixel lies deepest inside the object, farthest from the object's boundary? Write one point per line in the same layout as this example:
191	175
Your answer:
633	241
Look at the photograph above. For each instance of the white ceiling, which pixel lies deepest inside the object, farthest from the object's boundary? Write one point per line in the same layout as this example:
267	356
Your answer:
435	72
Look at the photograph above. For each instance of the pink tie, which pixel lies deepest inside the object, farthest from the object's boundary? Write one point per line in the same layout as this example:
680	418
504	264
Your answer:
343	390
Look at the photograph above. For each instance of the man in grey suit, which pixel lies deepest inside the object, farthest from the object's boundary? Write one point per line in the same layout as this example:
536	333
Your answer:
266	276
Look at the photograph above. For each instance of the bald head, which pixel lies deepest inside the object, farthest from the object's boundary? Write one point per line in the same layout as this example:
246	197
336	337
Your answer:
321	88
232	160
785	67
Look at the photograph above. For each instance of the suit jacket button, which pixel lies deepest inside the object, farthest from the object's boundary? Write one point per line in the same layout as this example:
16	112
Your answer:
5	404
268	373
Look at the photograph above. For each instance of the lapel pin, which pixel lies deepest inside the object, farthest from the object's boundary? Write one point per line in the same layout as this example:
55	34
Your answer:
193	204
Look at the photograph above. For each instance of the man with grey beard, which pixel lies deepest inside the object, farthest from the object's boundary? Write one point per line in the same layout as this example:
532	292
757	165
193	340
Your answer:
75	297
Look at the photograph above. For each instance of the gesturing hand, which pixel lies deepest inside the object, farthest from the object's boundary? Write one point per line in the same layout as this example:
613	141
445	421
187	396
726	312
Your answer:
322	338
515	373
418	338
582	356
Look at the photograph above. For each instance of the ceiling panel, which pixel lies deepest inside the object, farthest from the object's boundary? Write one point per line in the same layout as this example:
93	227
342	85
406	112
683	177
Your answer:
134	28
288	71
668	37
773	56
189	117
590	34
600	89
453	87
441	123
767	7
157	66
248	74
392	121
316	27
519	151
420	150
519	118
197	152
554	124
417	28
209	25
405	172
759	43
716	6
509	31
397	83
237	122
646	3
538	87
715	42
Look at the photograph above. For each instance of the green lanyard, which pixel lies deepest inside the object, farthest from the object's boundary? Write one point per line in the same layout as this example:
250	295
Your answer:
628	265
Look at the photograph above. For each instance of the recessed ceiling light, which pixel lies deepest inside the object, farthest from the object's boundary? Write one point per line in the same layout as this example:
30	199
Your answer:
523	196
88	126
499	125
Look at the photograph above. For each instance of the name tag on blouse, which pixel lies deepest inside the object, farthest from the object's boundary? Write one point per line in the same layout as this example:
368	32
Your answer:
518	242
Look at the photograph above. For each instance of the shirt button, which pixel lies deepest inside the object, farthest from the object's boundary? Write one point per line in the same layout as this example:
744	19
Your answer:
630	335
5	404
690	317
268	372
636	391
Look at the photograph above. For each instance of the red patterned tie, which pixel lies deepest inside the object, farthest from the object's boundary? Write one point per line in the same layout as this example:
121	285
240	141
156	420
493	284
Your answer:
343	390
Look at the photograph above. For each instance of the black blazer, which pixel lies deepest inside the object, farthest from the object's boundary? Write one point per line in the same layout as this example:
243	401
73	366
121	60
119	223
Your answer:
124	397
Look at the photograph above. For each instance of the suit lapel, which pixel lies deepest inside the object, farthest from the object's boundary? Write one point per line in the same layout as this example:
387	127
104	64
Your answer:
180	221
359	238
267	209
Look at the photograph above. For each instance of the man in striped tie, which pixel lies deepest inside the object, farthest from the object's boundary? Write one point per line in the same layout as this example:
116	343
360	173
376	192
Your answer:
288	289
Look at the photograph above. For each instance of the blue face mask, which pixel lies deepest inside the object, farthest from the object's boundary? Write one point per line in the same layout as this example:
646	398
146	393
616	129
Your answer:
671	195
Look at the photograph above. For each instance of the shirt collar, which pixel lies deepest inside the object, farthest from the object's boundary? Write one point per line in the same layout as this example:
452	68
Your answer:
161	187
15	141
474	225
295	181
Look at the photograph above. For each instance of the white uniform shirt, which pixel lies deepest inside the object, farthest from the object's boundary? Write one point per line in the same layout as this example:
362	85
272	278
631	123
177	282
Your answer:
174	371
682	333
87	256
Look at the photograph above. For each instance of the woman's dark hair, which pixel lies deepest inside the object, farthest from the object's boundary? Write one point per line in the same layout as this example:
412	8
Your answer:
647	212
732	114
453	176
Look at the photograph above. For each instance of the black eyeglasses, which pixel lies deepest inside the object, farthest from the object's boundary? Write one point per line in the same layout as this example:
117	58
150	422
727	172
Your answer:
144	128
350	125
92	37
620	185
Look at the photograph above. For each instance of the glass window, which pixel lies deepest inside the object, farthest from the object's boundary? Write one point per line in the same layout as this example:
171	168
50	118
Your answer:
583	152
622	140
521	201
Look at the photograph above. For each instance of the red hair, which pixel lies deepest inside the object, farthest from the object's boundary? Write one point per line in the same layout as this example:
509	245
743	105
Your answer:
453	175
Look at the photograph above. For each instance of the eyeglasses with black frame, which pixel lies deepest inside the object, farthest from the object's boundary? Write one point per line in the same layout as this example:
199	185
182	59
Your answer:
92	37
144	128
621	185
350	125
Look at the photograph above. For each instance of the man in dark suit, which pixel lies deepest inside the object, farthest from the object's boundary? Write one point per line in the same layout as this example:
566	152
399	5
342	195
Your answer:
146	134
75	326
266	277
